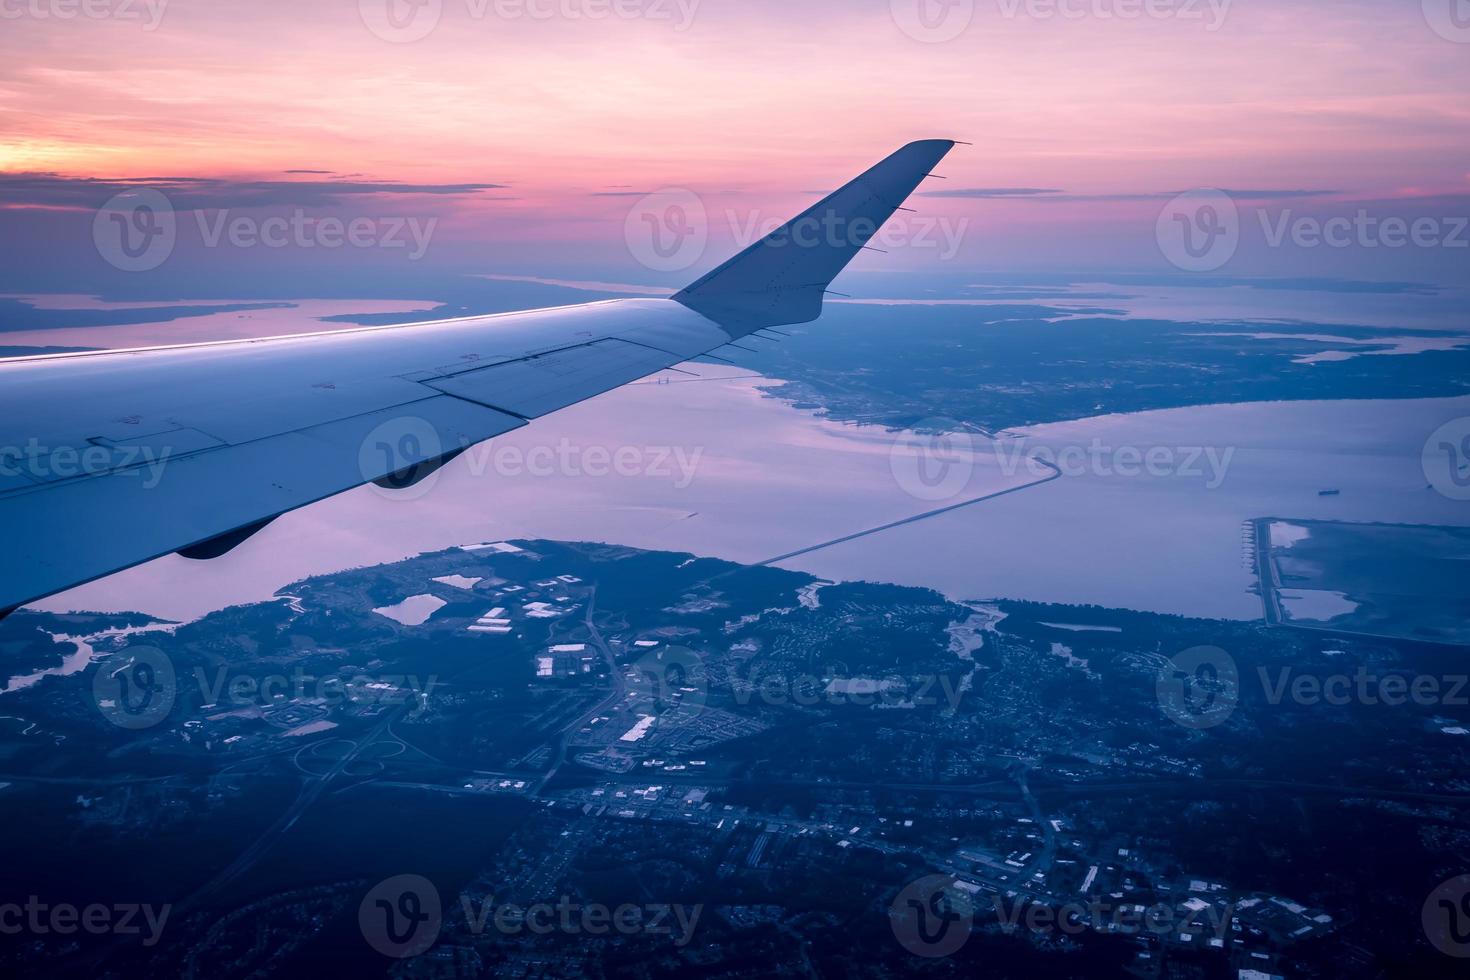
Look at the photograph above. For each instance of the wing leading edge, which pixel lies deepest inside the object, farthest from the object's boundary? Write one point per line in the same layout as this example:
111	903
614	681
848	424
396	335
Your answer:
111	459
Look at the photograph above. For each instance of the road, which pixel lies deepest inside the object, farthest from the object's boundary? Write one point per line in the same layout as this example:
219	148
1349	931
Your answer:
1055	474
618	693
1044	859
1006	789
311	791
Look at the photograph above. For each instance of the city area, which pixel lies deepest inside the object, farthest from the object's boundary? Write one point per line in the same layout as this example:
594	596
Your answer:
539	759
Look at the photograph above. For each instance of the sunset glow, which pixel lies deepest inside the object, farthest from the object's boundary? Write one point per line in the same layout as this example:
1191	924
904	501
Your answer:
573	106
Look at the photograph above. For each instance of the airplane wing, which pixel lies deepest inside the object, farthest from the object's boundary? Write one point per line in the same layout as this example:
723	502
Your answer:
111	459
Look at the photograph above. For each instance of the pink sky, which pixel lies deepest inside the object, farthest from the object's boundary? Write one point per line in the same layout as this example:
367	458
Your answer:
752	103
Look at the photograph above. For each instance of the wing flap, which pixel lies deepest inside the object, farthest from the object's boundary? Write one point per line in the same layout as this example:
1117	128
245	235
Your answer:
535	386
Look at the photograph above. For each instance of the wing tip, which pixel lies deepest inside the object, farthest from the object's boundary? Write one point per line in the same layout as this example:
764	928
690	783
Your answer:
771	283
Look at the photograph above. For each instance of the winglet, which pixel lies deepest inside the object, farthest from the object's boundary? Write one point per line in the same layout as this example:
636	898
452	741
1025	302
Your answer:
781	278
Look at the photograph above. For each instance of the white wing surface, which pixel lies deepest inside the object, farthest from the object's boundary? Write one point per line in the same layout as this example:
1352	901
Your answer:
110	459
